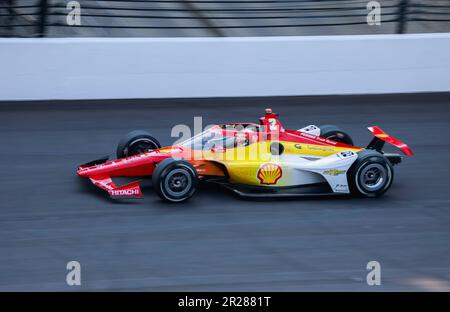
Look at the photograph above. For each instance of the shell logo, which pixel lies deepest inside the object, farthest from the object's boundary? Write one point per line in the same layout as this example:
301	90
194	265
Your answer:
269	174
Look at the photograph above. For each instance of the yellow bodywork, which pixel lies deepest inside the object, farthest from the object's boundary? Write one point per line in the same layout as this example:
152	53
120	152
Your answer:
255	165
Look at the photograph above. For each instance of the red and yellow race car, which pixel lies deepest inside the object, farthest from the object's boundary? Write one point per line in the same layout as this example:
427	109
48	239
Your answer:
253	160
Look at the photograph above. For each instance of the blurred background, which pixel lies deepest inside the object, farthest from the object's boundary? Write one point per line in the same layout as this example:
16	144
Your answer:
219	18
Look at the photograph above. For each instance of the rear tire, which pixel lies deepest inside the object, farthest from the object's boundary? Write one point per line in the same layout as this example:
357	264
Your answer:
136	142
336	134
175	180
371	175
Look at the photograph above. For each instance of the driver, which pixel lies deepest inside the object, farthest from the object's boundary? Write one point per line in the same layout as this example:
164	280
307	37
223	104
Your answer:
241	141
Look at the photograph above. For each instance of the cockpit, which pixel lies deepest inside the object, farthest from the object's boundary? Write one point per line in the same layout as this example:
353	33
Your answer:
221	137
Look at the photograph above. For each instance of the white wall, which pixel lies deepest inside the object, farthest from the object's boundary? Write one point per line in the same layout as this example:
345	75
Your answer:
101	68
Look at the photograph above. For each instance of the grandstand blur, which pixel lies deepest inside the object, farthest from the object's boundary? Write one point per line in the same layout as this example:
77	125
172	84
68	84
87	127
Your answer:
202	18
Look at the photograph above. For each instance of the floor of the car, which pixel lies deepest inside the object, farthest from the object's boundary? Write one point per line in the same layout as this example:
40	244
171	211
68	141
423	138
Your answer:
267	191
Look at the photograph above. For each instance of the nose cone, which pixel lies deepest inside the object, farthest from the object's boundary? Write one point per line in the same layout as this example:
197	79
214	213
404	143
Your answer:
85	170
82	172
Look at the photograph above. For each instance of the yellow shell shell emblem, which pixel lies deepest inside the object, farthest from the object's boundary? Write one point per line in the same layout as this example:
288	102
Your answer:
269	174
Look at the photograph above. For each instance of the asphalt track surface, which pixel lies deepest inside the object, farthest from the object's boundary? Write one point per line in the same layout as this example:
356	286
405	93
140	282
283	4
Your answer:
217	241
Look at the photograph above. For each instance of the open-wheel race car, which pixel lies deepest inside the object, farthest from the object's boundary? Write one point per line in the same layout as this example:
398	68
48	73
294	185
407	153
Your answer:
253	160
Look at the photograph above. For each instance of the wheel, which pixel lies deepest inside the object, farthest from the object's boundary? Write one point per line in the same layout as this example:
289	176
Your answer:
136	142
175	180
336	134
371	175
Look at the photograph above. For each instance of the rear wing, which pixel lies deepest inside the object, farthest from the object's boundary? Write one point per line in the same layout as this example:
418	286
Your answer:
381	137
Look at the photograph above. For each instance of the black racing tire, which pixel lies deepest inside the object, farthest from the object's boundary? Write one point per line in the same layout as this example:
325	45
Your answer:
336	134
136	142
371	175
175	180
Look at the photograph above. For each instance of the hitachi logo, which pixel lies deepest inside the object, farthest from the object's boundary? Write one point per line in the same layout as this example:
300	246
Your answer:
124	192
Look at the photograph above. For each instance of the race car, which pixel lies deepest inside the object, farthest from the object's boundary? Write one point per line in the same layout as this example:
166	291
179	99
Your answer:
253	160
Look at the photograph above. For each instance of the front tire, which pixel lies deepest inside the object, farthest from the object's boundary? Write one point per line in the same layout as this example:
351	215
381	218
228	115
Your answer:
136	142
371	175
175	180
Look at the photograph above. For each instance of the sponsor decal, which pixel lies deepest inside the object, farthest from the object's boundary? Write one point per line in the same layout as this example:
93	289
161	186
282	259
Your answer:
269	174
334	172
308	135
143	155
130	192
299	146
320	148
318	138
341	188
330	142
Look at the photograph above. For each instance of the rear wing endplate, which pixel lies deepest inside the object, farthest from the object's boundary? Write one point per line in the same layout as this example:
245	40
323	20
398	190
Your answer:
381	137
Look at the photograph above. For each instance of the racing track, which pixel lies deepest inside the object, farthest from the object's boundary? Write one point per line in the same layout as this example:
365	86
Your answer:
216	241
